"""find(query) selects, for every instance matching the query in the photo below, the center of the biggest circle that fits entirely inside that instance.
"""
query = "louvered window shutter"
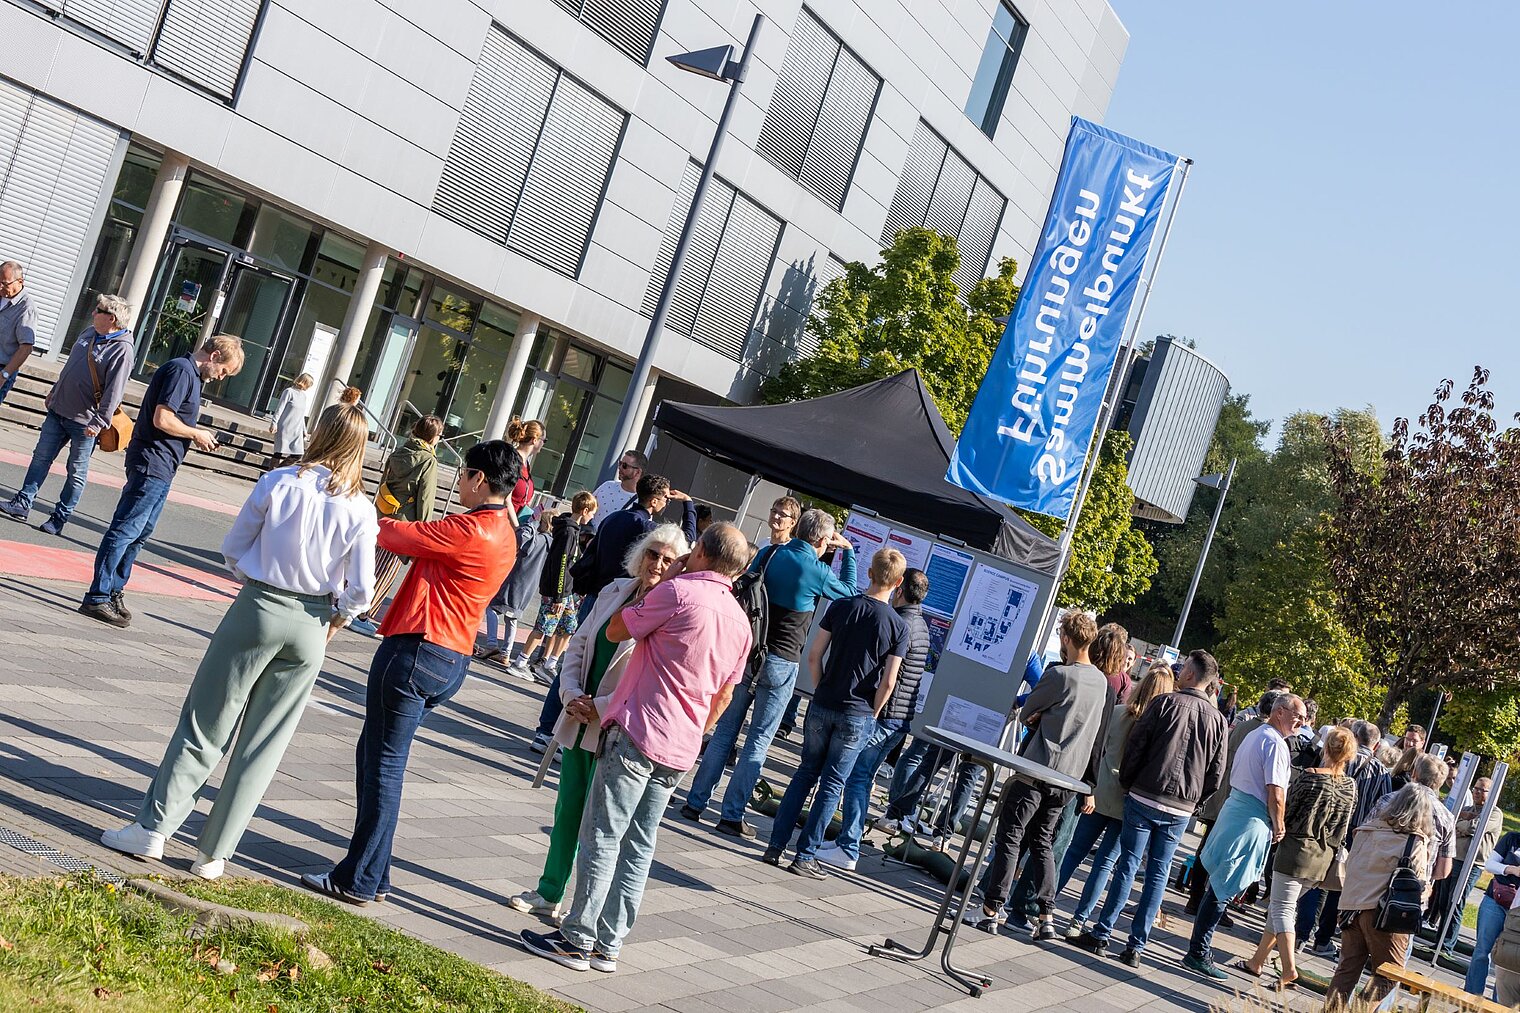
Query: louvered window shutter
(129, 22)
(205, 41)
(841, 125)
(939, 190)
(565, 181)
(700, 253)
(54, 163)
(978, 233)
(738, 278)
(630, 25)
(910, 204)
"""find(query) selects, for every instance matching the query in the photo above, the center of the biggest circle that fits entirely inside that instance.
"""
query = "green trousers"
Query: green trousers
(258, 669)
(576, 767)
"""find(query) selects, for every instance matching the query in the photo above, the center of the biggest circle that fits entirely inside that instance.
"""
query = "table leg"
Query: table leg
(897, 951)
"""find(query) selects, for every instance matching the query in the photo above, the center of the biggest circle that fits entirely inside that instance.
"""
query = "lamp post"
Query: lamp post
(718, 64)
(1222, 483)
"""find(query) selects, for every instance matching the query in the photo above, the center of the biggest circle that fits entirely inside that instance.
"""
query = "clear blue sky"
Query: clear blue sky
(1351, 231)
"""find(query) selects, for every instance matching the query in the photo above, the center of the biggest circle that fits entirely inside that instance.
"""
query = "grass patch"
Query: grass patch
(75, 943)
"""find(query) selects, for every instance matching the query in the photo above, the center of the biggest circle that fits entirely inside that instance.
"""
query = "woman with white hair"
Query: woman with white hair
(589, 672)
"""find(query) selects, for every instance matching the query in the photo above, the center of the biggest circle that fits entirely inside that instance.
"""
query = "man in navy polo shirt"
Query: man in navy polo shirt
(163, 434)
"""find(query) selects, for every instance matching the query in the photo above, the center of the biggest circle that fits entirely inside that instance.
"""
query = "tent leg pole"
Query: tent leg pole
(749, 491)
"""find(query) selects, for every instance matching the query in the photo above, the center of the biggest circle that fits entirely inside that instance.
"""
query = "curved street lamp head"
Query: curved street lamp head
(716, 63)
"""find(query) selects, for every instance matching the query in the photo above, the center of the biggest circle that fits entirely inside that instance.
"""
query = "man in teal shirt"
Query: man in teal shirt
(796, 579)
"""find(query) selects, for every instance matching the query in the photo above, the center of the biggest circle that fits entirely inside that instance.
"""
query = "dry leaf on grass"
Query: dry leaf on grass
(6, 944)
(101, 992)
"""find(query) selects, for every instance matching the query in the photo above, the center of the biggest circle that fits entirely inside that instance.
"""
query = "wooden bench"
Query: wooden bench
(1427, 989)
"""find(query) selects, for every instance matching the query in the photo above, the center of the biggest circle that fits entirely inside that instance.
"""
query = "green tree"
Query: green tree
(1111, 562)
(873, 322)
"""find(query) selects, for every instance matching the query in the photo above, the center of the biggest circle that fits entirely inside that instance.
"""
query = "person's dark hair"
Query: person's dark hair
(1207, 665)
(651, 486)
(1281, 685)
(1268, 702)
(638, 458)
(725, 547)
(498, 461)
(1311, 712)
(1108, 649)
(427, 428)
(915, 586)
(1080, 628)
(704, 512)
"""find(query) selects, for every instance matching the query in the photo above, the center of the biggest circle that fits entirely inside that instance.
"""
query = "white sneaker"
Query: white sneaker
(601, 962)
(530, 902)
(887, 826)
(518, 669)
(207, 868)
(834, 855)
(540, 744)
(545, 671)
(135, 839)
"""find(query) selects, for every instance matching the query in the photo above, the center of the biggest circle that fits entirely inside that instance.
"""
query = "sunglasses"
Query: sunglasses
(656, 556)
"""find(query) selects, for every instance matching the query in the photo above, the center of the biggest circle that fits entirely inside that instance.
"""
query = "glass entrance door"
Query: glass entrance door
(183, 304)
(255, 307)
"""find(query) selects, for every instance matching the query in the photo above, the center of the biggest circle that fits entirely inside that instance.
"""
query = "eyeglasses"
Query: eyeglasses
(628, 464)
(656, 556)
(783, 515)
(103, 313)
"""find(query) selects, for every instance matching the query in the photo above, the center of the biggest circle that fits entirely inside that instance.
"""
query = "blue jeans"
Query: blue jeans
(57, 431)
(916, 770)
(789, 719)
(772, 688)
(623, 809)
(1155, 834)
(407, 678)
(548, 716)
(142, 500)
(882, 739)
(830, 742)
(588, 602)
(6, 385)
(1490, 921)
(1104, 832)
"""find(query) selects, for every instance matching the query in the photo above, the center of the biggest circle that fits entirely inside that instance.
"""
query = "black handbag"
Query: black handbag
(1401, 909)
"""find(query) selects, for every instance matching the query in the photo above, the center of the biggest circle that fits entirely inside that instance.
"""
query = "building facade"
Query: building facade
(468, 207)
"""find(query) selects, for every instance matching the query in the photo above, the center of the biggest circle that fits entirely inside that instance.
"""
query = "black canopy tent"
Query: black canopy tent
(881, 445)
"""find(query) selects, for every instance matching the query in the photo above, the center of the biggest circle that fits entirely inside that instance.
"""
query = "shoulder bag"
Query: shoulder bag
(116, 435)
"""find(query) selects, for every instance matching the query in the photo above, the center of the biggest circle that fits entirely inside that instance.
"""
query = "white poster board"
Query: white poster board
(319, 350)
(867, 534)
(989, 625)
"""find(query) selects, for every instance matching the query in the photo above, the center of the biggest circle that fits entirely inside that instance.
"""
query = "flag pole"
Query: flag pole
(1110, 406)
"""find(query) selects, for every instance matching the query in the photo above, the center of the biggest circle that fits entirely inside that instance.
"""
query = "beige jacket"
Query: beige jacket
(572, 671)
(1375, 853)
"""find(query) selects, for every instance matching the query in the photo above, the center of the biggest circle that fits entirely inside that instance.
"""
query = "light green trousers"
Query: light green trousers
(259, 668)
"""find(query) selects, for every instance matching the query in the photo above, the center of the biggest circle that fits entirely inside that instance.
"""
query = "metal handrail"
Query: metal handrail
(458, 461)
(386, 439)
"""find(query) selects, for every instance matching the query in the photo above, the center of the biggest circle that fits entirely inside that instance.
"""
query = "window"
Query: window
(732, 246)
(938, 190)
(531, 156)
(204, 42)
(994, 74)
(630, 25)
(819, 113)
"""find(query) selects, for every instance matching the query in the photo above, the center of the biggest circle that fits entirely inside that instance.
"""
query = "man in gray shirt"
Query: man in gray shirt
(75, 414)
(18, 320)
(1066, 714)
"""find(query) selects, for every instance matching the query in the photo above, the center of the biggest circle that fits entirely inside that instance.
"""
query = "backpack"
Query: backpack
(1401, 909)
(749, 591)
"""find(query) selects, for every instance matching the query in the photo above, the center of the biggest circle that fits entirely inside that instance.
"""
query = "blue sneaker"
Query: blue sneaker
(15, 510)
(52, 526)
(364, 628)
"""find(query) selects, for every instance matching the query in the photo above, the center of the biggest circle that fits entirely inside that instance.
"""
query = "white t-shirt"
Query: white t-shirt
(1262, 759)
(610, 498)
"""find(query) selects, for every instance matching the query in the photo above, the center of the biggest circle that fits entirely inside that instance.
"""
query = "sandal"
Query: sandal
(1285, 986)
(1242, 966)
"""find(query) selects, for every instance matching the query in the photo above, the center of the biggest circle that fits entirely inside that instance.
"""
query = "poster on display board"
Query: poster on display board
(947, 569)
(915, 548)
(867, 535)
(990, 624)
(939, 632)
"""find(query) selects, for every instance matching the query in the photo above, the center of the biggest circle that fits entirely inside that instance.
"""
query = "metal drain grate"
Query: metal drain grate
(69, 863)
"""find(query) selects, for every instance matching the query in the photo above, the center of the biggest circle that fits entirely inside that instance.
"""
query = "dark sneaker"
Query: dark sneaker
(1130, 957)
(52, 526)
(105, 612)
(321, 882)
(691, 812)
(601, 962)
(554, 946)
(1045, 932)
(772, 856)
(1207, 968)
(1226, 922)
(14, 510)
(1091, 943)
(807, 867)
(735, 828)
(120, 601)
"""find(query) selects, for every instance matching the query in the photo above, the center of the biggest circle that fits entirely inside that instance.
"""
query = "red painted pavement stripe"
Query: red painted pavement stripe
(20, 559)
(116, 482)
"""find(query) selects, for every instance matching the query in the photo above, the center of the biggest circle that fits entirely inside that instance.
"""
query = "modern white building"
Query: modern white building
(466, 207)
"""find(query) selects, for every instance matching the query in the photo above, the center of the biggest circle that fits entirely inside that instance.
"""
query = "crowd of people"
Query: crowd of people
(662, 645)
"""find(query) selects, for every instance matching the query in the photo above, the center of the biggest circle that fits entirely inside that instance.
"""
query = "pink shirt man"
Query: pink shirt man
(692, 640)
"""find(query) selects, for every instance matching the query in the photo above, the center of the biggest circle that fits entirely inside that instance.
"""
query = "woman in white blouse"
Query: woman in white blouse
(289, 425)
(304, 547)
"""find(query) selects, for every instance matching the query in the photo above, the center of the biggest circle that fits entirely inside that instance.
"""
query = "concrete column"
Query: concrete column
(645, 406)
(346, 349)
(157, 217)
(511, 376)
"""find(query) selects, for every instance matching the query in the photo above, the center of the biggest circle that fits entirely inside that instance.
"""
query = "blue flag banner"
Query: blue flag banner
(1030, 427)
